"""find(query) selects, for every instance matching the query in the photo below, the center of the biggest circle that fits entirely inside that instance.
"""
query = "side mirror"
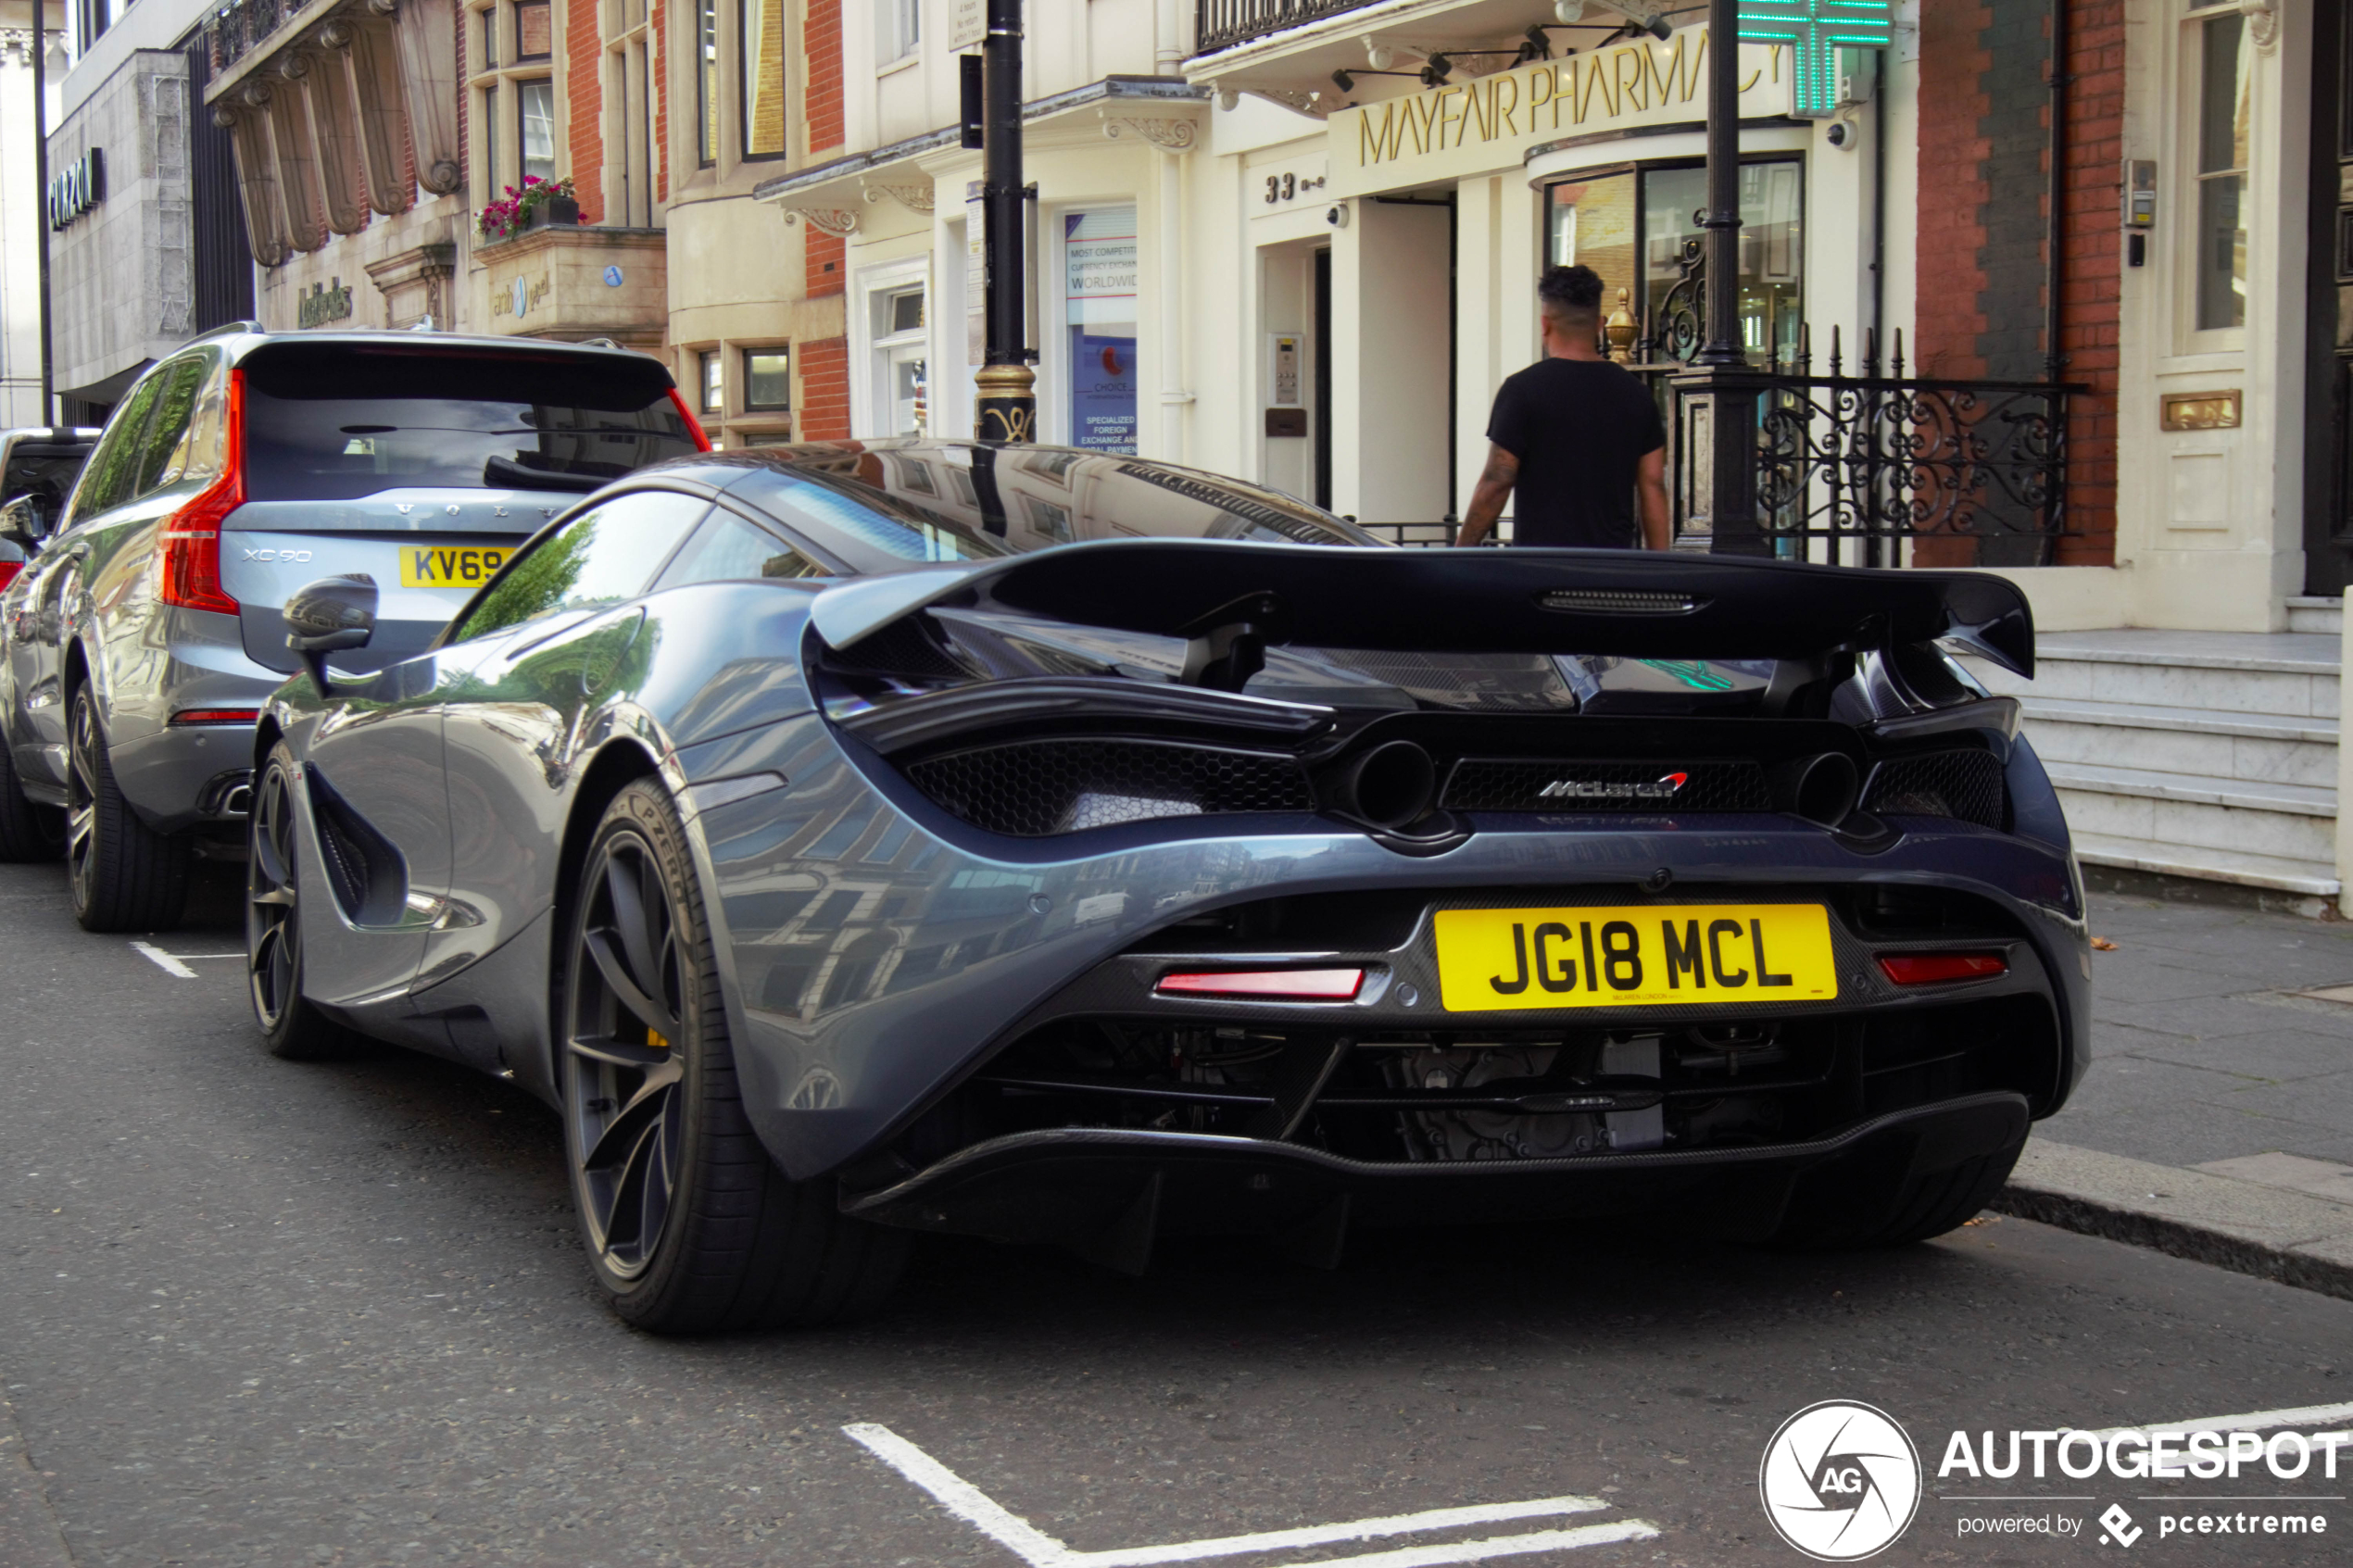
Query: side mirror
(24, 522)
(330, 616)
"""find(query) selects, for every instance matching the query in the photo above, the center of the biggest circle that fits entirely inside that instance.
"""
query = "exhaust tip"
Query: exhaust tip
(1821, 788)
(238, 802)
(1393, 786)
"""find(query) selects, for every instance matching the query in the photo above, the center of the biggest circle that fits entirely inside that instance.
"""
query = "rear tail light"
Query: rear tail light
(1267, 984)
(694, 425)
(8, 570)
(191, 537)
(1925, 969)
(216, 716)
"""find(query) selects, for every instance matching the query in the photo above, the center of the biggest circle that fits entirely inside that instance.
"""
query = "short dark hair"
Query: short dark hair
(1571, 292)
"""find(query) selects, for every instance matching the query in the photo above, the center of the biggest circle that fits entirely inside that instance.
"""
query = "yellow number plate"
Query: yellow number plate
(446, 566)
(1493, 960)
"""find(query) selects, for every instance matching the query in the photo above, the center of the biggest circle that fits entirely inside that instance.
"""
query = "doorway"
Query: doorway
(2328, 385)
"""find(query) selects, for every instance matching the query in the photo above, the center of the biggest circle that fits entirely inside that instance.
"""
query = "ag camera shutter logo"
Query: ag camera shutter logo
(1841, 1481)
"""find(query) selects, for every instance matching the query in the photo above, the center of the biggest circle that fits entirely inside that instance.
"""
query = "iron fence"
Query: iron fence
(236, 28)
(1223, 23)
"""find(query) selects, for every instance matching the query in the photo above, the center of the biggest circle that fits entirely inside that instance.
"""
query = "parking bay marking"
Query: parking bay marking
(1039, 1549)
(175, 964)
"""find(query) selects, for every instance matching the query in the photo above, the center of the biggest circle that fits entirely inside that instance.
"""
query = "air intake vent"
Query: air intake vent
(1621, 601)
(1965, 785)
(1034, 789)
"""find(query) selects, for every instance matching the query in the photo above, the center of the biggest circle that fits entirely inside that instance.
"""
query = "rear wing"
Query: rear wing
(1623, 602)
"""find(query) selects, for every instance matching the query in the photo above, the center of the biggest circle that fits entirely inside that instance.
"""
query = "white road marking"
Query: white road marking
(2254, 1421)
(175, 964)
(1039, 1549)
(163, 960)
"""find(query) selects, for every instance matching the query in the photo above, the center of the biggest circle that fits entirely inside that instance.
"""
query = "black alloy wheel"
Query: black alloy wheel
(125, 875)
(291, 1026)
(27, 832)
(690, 1227)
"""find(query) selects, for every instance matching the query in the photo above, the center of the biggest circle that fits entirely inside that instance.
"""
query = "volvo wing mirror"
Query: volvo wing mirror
(331, 615)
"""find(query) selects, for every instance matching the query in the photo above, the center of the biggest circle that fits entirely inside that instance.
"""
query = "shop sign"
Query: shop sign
(520, 295)
(1099, 286)
(1816, 31)
(326, 302)
(1489, 122)
(78, 187)
(967, 24)
(1282, 186)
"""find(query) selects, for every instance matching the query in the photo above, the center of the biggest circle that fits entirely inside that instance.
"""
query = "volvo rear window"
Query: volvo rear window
(336, 422)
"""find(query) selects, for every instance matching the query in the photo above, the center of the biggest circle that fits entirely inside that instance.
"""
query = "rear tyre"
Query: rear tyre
(291, 1027)
(28, 833)
(689, 1226)
(126, 876)
(1925, 1207)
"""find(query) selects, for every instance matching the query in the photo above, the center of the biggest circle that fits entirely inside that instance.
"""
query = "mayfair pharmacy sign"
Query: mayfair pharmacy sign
(1468, 128)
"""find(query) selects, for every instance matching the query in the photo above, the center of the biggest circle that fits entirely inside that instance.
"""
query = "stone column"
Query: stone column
(426, 31)
(335, 131)
(295, 153)
(373, 60)
(257, 181)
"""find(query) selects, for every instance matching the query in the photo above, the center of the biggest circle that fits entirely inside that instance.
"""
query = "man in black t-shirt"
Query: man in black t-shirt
(1575, 435)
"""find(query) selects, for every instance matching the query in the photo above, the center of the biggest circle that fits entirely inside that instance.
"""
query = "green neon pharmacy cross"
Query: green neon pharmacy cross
(1816, 31)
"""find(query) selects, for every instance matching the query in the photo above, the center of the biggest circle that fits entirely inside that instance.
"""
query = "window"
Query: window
(490, 140)
(177, 385)
(1631, 227)
(629, 98)
(1099, 294)
(706, 82)
(490, 39)
(898, 28)
(767, 379)
(762, 65)
(2223, 112)
(535, 108)
(900, 360)
(112, 474)
(715, 399)
(601, 557)
(728, 549)
(533, 38)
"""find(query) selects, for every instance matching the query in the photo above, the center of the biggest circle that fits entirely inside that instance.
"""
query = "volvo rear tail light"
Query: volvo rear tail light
(694, 425)
(190, 536)
(216, 716)
(1266, 985)
(1927, 969)
(8, 570)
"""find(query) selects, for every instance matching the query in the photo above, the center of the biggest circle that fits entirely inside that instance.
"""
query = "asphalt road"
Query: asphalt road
(261, 1313)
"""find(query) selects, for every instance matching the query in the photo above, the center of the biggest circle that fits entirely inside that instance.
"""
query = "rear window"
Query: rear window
(338, 422)
(39, 468)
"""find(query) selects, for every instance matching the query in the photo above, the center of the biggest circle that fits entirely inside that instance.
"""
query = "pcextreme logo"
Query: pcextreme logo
(1840, 1481)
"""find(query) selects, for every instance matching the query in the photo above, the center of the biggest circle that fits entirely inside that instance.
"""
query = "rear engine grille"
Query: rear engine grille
(1962, 784)
(1034, 789)
(1487, 784)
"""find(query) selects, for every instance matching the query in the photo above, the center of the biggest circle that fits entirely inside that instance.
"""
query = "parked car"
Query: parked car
(1053, 845)
(38, 465)
(146, 632)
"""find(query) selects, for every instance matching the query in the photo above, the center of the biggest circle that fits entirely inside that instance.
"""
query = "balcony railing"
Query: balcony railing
(1223, 23)
(237, 29)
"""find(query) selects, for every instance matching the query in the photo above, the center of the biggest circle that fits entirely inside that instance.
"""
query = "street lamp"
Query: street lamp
(1005, 404)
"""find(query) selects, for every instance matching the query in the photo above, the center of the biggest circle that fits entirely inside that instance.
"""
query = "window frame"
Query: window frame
(703, 49)
(2191, 78)
(522, 95)
(745, 353)
(493, 85)
(899, 32)
(745, 65)
(515, 10)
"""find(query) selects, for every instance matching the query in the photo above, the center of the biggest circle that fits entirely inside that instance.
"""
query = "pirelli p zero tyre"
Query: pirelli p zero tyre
(1922, 1207)
(27, 832)
(291, 1026)
(125, 875)
(689, 1226)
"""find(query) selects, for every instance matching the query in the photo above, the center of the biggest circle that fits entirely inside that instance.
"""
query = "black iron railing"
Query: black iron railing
(1969, 472)
(1223, 23)
(236, 28)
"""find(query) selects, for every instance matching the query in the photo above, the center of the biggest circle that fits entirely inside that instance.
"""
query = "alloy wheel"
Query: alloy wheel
(81, 797)
(625, 1073)
(274, 934)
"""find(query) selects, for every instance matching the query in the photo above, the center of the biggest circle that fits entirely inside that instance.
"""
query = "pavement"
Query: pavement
(2217, 1120)
(331, 1314)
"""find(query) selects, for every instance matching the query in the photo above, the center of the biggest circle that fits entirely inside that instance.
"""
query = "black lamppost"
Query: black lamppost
(1719, 397)
(41, 205)
(1005, 406)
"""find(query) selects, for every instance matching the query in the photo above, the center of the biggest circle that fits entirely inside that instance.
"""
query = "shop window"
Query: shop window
(767, 380)
(533, 36)
(897, 29)
(1632, 226)
(901, 371)
(1099, 294)
(761, 60)
(706, 82)
(714, 397)
(2224, 106)
(535, 108)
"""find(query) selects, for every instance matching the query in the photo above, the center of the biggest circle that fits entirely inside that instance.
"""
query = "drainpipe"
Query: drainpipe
(1168, 49)
(41, 201)
(2054, 280)
(1173, 396)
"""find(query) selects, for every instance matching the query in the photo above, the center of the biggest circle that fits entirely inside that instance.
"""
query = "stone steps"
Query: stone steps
(2325, 616)
(2205, 755)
